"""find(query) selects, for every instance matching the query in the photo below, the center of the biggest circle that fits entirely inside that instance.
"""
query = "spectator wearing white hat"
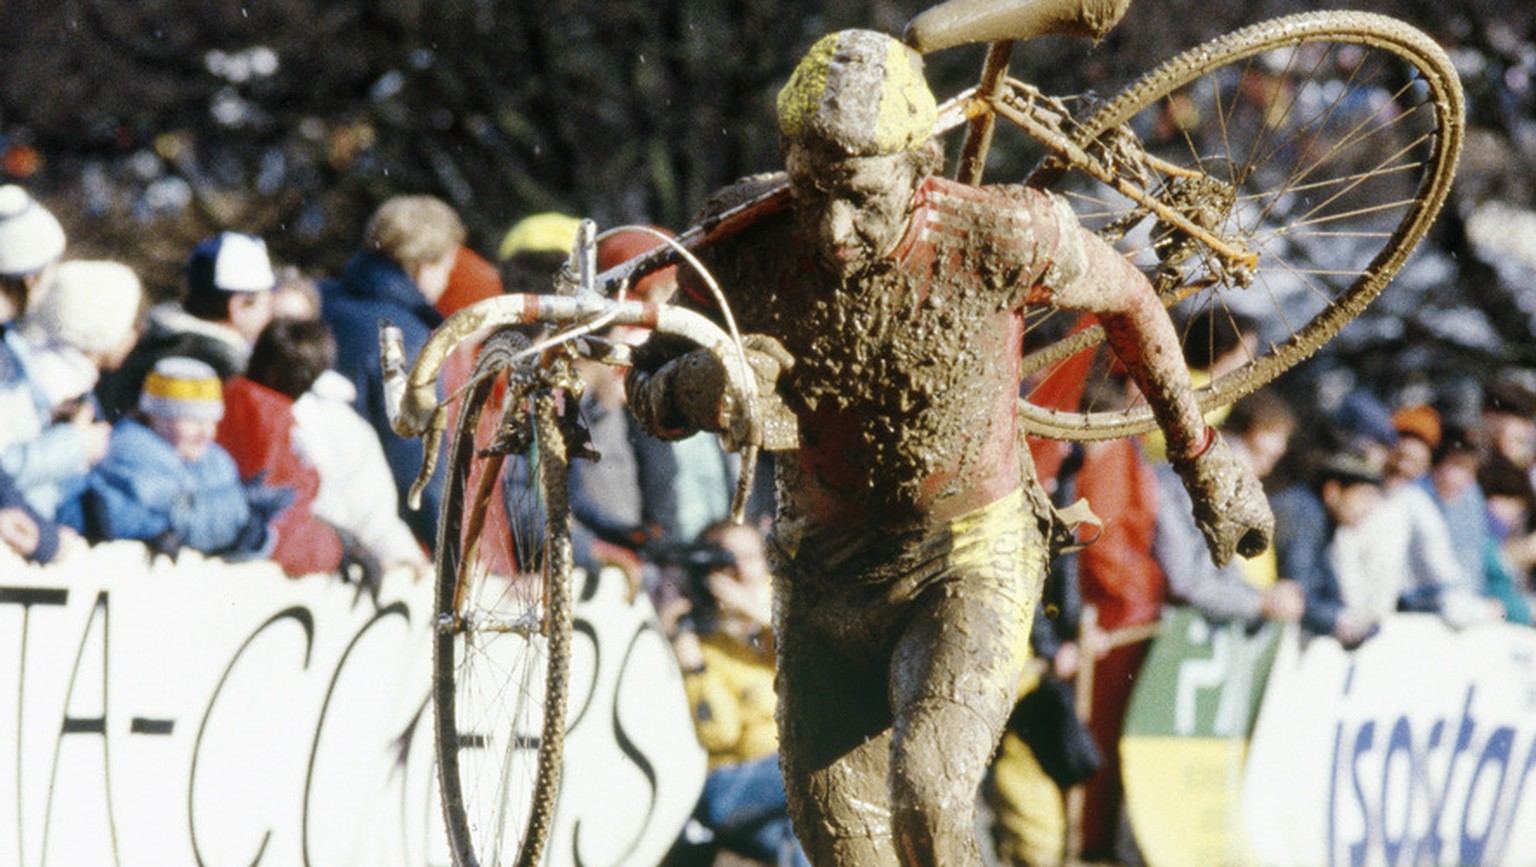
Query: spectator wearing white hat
(227, 303)
(40, 454)
(31, 243)
(86, 324)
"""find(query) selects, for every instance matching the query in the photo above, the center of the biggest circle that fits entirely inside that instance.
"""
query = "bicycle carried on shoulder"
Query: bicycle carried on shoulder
(1284, 171)
(1287, 168)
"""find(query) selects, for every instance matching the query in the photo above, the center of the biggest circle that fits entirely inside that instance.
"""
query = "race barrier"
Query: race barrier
(1186, 738)
(1417, 748)
(201, 712)
(211, 713)
(1254, 747)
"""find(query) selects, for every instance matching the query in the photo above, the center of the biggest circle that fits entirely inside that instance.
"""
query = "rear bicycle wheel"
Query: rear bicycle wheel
(1324, 143)
(503, 615)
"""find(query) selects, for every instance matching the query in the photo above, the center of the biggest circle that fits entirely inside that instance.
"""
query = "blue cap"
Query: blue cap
(1362, 416)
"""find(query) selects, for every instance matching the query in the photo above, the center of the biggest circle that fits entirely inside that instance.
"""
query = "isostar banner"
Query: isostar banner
(1419, 747)
(201, 712)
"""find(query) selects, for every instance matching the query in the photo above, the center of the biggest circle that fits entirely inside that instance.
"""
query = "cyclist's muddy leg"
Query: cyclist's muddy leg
(954, 678)
(834, 748)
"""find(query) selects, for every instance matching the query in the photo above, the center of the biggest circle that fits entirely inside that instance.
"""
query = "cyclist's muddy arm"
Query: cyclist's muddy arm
(1087, 275)
(1229, 503)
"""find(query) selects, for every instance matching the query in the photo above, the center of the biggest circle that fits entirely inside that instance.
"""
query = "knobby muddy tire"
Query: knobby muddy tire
(463, 819)
(1446, 119)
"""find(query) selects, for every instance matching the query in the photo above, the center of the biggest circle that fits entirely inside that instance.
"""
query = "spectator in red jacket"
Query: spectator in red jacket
(472, 279)
(257, 431)
(1118, 575)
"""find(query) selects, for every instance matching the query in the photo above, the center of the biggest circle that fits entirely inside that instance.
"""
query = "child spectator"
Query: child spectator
(1418, 435)
(292, 357)
(1452, 482)
(1510, 497)
(164, 479)
(1509, 421)
(227, 303)
(1509, 425)
(85, 325)
(1405, 541)
(1342, 493)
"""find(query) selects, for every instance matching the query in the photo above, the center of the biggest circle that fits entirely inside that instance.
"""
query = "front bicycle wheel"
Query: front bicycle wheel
(503, 614)
(1322, 143)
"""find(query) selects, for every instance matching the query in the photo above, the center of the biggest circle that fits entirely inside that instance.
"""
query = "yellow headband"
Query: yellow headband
(182, 388)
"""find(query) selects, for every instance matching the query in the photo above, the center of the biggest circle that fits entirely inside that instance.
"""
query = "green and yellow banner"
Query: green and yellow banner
(1186, 737)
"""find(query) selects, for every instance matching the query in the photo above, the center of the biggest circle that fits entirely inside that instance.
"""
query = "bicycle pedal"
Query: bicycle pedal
(508, 443)
(578, 442)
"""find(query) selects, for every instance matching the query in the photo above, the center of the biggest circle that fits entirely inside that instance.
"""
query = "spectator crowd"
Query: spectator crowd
(246, 420)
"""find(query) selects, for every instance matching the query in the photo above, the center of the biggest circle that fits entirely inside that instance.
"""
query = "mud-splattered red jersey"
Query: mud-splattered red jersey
(906, 374)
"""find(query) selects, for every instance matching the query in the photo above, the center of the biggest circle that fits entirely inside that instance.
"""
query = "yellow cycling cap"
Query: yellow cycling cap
(860, 93)
(539, 233)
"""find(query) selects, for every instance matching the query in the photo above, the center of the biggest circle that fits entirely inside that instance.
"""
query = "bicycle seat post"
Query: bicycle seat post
(978, 135)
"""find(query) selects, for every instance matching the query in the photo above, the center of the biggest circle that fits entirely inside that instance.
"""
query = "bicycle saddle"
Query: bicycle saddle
(958, 22)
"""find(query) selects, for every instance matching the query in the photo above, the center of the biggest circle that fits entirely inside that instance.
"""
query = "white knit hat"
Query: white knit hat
(30, 237)
(93, 306)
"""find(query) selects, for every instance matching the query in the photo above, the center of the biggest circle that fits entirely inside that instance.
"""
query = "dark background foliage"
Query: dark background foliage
(149, 124)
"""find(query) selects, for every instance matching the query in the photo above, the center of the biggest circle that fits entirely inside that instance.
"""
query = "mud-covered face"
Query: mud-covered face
(854, 209)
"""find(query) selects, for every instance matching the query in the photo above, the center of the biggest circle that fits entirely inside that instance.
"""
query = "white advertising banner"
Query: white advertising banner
(209, 713)
(1418, 748)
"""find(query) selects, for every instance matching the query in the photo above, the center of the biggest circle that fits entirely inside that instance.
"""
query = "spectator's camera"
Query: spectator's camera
(693, 564)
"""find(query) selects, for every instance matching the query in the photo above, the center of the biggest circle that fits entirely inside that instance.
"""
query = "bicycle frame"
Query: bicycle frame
(1043, 118)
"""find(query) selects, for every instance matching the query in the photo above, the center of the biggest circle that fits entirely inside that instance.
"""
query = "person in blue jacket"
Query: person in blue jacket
(44, 449)
(23, 530)
(408, 250)
(165, 480)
